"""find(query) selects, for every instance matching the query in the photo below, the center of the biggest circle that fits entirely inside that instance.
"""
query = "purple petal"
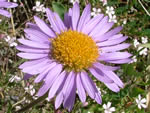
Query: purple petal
(32, 50)
(68, 84)
(36, 38)
(85, 17)
(33, 26)
(108, 34)
(104, 28)
(100, 75)
(80, 88)
(69, 97)
(88, 85)
(60, 22)
(89, 26)
(58, 82)
(53, 21)
(5, 13)
(7, 4)
(104, 67)
(50, 78)
(67, 19)
(113, 87)
(34, 33)
(59, 100)
(98, 98)
(32, 55)
(119, 61)
(33, 44)
(115, 48)
(114, 56)
(31, 63)
(42, 75)
(35, 69)
(27, 76)
(100, 27)
(112, 41)
(114, 77)
(44, 27)
(75, 15)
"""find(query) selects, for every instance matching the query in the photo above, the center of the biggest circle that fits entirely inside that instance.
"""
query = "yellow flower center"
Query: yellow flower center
(75, 50)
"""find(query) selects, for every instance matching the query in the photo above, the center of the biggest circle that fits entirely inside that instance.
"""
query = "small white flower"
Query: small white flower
(143, 51)
(144, 40)
(11, 41)
(141, 102)
(135, 43)
(104, 2)
(73, 1)
(39, 7)
(30, 90)
(95, 11)
(134, 59)
(14, 79)
(133, 9)
(112, 18)
(14, 0)
(124, 22)
(110, 10)
(108, 108)
(18, 107)
(89, 112)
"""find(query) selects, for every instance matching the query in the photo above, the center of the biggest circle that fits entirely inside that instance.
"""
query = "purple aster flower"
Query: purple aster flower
(66, 53)
(5, 4)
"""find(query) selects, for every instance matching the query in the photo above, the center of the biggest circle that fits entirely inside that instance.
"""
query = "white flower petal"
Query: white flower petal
(112, 109)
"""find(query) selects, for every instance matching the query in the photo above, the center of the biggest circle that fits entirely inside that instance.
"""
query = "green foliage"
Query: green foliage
(136, 76)
(59, 8)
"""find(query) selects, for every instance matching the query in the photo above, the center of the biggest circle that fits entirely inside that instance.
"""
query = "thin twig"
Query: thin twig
(18, 103)
(12, 21)
(35, 102)
(144, 8)
(24, 9)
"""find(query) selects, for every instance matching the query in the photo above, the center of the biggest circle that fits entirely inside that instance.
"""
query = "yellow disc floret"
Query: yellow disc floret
(75, 50)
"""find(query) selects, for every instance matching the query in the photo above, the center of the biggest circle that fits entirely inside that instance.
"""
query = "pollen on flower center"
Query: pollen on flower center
(75, 50)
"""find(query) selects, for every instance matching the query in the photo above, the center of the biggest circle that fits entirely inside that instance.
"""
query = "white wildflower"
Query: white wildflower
(39, 7)
(30, 90)
(14, 0)
(112, 18)
(125, 21)
(135, 43)
(95, 11)
(144, 40)
(110, 10)
(134, 59)
(141, 102)
(108, 108)
(142, 51)
(73, 1)
(18, 107)
(104, 2)
(14, 79)
(11, 41)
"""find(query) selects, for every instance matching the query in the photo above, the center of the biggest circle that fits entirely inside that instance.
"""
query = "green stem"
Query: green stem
(37, 101)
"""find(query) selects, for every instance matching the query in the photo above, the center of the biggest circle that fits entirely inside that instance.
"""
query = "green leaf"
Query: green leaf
(59, 8)
(146, 45)
(146, 32)
(135, 91)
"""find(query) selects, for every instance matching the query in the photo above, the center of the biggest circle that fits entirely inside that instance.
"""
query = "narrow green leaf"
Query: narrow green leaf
(59, 8)
(146, 45)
